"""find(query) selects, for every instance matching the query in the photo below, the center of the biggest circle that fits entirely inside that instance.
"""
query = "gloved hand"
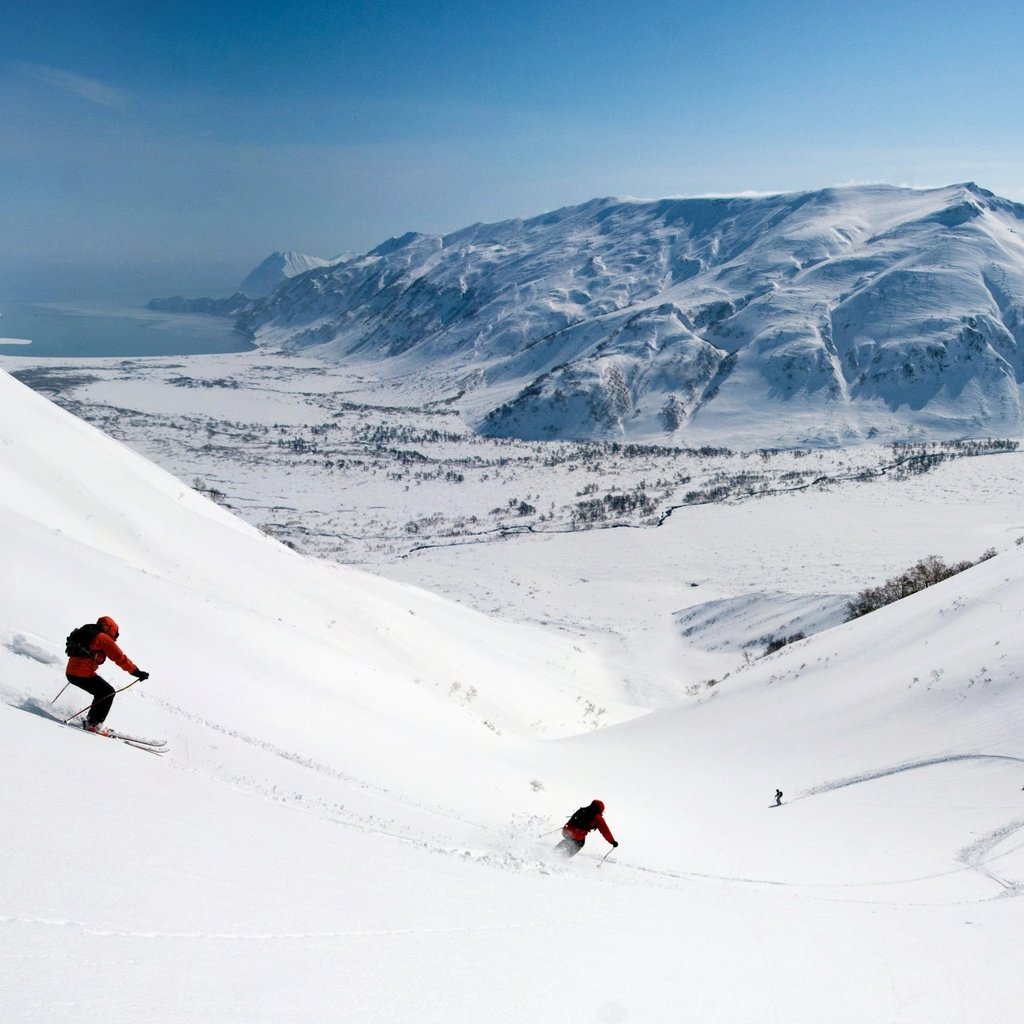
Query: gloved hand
(614, 844)
(140, 675)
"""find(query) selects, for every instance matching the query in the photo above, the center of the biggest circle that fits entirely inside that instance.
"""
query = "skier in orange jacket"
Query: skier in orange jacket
(81, 670)
(583, 821)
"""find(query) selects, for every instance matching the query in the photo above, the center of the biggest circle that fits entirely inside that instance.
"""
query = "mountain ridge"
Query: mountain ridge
(821, 317)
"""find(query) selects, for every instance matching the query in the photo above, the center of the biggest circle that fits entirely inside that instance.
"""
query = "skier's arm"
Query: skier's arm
(603, 828)
(106, 644)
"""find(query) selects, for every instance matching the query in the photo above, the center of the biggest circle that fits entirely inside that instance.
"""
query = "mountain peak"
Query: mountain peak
(277, 267)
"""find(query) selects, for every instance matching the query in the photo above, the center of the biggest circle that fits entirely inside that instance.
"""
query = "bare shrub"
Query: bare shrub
(778, 642)
(926, 573)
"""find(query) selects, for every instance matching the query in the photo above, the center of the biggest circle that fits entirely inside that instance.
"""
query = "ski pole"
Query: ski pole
(605, 857)
(551, 833)
(108, 697)
(62, 689)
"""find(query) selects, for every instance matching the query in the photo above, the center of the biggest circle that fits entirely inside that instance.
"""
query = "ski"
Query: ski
(142, 741)
(149, 749)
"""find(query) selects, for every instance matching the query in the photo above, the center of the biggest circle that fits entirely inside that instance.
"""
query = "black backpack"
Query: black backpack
(583, 818)
(78, 641)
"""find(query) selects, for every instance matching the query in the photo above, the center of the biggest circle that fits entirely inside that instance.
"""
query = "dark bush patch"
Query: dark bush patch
(926, 573)
(778, 642)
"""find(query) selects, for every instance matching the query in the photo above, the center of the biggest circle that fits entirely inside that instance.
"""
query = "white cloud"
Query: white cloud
(76, 85)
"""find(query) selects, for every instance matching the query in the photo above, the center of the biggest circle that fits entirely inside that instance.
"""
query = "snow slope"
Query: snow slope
(821, 317)
(341, 833)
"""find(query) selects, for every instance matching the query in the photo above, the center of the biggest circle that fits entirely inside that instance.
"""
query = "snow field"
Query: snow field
(337, 834)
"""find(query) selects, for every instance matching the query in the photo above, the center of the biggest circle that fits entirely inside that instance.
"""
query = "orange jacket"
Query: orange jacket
(102, 647)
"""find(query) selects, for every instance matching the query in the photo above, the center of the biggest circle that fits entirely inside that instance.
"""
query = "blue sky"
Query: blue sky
(185, 141)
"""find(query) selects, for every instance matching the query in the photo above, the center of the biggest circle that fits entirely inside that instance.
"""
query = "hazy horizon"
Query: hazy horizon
(163, 149)
(117, 281)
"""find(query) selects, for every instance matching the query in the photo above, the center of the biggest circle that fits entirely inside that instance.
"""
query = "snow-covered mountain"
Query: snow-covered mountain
(818, 317)
(260, 281)
(278, 267)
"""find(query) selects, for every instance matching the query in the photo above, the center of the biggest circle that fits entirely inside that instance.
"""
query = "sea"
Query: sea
(93, 329)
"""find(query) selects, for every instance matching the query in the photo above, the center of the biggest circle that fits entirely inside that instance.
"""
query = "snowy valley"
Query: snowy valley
(351, 821)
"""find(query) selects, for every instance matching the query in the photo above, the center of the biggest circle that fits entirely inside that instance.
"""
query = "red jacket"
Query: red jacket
(579, 834)
(102, 647)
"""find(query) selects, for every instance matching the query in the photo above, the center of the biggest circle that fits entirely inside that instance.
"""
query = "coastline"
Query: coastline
(82, 329)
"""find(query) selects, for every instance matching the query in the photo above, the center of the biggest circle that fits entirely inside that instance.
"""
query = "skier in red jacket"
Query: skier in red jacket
(81, 670)
(583, 821)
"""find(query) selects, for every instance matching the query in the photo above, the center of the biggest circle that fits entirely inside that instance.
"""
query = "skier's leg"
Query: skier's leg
(101, 692)
(101, 705)
(568, 848)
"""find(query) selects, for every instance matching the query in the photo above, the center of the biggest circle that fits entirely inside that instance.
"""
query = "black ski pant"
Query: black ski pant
(102, 693)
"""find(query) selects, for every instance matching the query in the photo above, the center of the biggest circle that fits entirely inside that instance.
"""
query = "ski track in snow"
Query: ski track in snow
(111, 933)
(319, 807)
(855, 780)
(316, 806)
(976, 855)
(26, 648)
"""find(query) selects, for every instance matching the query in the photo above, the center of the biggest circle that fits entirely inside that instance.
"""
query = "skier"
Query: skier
(778, 797)
(81, 670)
(575, 830)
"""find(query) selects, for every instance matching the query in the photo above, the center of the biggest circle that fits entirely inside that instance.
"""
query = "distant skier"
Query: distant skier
(89, 647)
(778, 797)
(575, 830)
